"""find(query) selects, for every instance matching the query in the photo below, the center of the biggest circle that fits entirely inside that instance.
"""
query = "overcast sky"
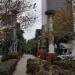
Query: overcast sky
(30, 32)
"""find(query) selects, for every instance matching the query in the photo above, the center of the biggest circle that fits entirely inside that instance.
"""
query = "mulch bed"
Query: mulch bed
(66, 68)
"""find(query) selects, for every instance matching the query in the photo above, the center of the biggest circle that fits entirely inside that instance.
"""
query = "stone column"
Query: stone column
(50, 15)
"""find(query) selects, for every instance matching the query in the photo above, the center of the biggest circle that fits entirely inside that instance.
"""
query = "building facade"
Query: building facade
(44, 8)
(8, 18)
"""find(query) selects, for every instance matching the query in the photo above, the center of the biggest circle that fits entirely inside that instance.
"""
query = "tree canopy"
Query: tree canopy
(21, 42)
(31, 46)
(19, 7)
(63, 22)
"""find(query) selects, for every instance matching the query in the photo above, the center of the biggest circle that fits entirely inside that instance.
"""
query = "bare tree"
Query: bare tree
(29, 16)
(63, 22)
(18, 7)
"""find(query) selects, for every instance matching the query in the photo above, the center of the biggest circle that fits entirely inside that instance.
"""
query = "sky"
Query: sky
(29, 33)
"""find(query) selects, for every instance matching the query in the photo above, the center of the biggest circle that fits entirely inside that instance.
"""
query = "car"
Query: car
(65, 57)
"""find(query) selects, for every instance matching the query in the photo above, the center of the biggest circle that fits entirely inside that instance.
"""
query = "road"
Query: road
(21, 65)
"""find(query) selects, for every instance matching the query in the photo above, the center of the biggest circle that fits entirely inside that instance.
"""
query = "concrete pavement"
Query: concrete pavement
(21, 65)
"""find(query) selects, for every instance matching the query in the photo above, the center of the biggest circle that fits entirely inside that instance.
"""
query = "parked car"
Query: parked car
(65, 57)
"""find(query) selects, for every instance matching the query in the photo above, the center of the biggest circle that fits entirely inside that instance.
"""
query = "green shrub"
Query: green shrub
(42, 72)
(63, 64)
(32, 66)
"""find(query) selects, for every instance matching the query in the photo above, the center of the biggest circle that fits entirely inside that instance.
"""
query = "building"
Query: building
(44, 8)
(8, 17)
(38, 39)
(38, 35)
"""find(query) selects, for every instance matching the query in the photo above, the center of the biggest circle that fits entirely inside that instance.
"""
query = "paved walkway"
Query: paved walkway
(21, 65)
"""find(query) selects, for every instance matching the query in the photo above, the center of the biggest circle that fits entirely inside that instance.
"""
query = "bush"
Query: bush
(63, 64)
(42, 72)
(32, 66)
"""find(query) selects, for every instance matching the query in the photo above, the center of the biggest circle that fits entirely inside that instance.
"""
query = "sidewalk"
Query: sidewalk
(21, 65)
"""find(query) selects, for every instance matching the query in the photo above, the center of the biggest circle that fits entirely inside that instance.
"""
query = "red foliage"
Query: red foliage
(51, 57)
(46, 56)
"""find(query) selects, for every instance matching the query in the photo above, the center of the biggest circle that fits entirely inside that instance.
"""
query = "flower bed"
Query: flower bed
(35, 65)
(44, 67)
